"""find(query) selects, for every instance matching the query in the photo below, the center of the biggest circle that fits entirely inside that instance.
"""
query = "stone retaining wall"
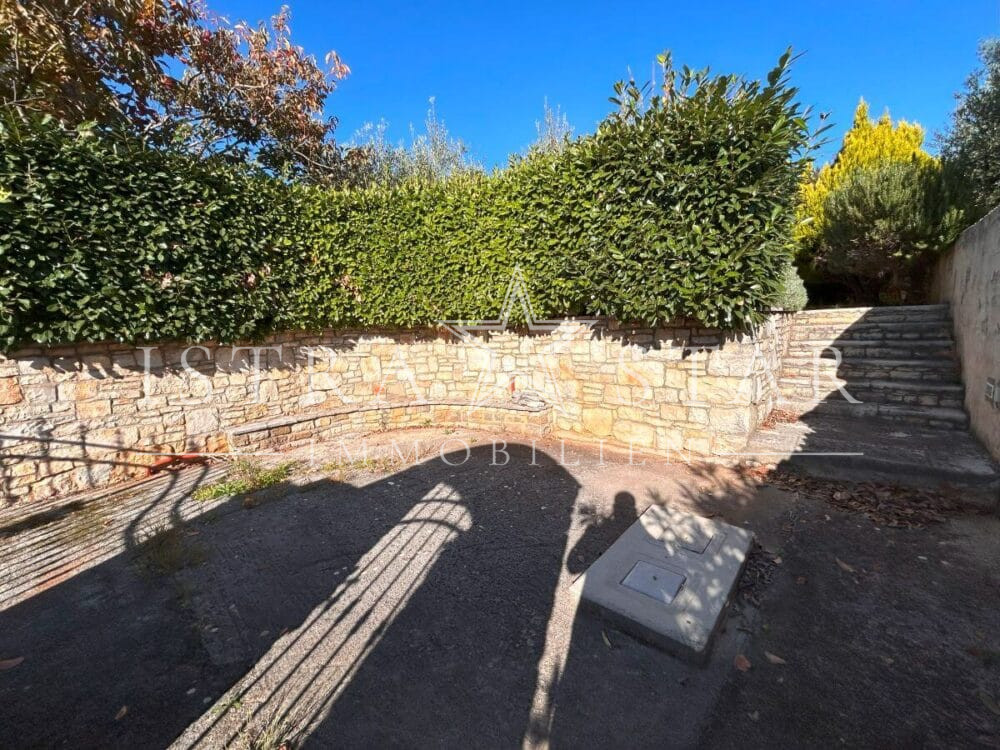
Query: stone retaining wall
(84, 416)
(968, 277)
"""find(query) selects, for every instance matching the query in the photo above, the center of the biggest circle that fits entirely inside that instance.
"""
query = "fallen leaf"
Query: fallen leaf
(10, 663)
(844, 566)
(988, 701)
(800, 580)
(741, 663)
(607, 641)
(774, 658)
(121, 713)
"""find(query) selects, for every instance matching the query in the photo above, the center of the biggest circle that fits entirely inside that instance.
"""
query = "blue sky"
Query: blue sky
(490, 65)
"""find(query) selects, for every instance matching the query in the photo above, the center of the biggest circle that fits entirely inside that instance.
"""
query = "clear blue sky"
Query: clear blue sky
(490, 65)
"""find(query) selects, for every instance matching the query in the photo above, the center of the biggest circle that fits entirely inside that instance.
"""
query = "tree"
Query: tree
(867, 144)
(971, 145)
(431, 156)
(554, 130)
(882, 226)
(173, 74)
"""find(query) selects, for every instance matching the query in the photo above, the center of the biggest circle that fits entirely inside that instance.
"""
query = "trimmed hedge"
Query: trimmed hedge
(101, 238)
(681, 206)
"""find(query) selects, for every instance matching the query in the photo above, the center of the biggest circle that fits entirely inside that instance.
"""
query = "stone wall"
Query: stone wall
(969, 278)
(84, 416)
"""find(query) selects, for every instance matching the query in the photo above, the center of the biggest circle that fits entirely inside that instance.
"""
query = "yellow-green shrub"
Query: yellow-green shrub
(869, 143)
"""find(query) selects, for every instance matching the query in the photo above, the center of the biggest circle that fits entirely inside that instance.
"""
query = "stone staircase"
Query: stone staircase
(903, 420)
(898, 363)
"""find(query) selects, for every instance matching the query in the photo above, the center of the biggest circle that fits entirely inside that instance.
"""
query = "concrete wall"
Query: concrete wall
(969, 278)
(85, 416)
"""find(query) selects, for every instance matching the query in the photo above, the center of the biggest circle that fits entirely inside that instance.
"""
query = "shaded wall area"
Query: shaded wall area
(968, 277)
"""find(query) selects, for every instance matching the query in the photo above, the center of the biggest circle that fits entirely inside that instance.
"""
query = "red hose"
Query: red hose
(167, 461)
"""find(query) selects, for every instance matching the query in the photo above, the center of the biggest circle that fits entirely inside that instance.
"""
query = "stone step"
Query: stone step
(938, 417)
(874, 349)
(866, 390)
(803, 330)
(928, 370)
(879, 449)
(852, 315)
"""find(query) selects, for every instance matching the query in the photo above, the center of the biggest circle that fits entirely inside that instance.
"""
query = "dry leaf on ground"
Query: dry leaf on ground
(844, 566)
(741, 663)
(10, 663)
(774, 658)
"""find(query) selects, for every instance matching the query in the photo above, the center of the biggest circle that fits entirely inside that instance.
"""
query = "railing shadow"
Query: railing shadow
(328, 602)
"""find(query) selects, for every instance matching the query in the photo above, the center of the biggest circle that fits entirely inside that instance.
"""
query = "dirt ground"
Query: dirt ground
(401, 603)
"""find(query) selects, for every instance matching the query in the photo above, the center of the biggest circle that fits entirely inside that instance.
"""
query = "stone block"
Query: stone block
(597, 421)
(95, 409)
(10, 392)
(201, 421)
(668, 579)
(635, 433)
(737, 419)
(645, 372)
(698, 444)
(673, 412)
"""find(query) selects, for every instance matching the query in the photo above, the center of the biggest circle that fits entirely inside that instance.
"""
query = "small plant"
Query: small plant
(244, 476)
(341, 469)
(791, 295)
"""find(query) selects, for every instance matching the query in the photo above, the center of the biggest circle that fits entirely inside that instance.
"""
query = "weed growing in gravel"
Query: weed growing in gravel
(245, 476)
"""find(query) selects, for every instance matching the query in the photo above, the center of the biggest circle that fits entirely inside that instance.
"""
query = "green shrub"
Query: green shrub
(791, 295)
(679, 206)
(884, 225)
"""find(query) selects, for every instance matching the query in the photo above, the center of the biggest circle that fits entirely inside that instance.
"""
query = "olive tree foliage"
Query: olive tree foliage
(553, 130)
(971, 145)
(176, 76)
(430, 156)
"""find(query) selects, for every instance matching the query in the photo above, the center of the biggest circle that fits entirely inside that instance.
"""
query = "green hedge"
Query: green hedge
(101, 238)
(678, 206)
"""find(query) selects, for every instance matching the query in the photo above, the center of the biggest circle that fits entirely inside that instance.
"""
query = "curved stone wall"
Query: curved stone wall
(85, 416)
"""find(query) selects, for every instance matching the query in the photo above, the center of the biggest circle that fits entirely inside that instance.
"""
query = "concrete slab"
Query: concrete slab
(668, 579)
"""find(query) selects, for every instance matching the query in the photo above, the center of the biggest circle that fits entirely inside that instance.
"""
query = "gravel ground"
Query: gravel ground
(388, 603)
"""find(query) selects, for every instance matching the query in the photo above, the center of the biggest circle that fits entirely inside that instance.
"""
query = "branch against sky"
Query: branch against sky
(176, 75)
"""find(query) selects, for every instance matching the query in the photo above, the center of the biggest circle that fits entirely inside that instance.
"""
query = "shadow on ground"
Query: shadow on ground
(129, 652)
(427, 608)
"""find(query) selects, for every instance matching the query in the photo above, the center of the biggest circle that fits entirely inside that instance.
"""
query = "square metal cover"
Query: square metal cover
(655, 582)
